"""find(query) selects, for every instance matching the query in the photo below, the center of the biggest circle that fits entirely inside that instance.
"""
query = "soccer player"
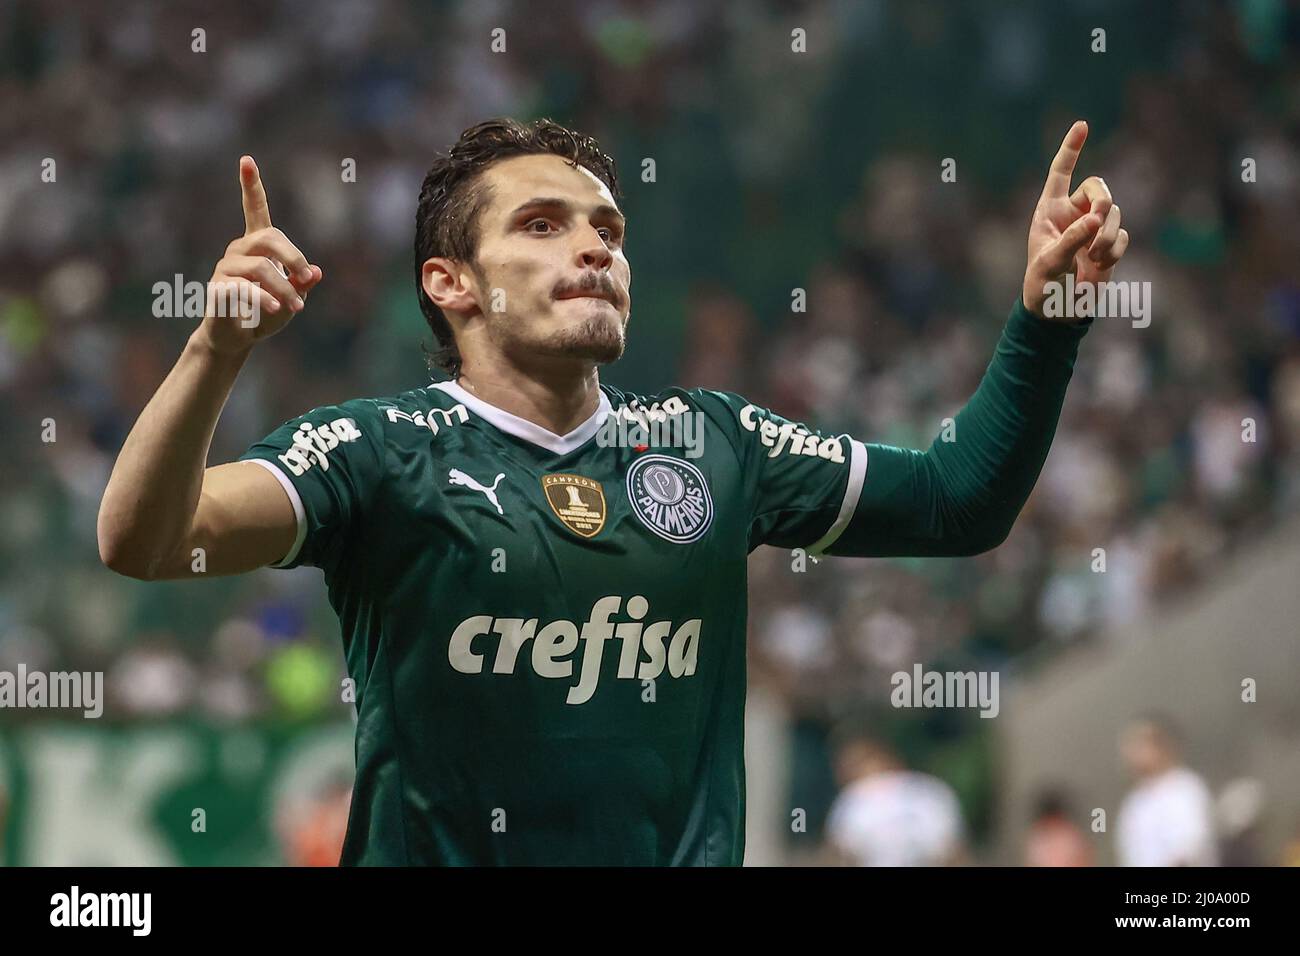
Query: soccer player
(546, 626)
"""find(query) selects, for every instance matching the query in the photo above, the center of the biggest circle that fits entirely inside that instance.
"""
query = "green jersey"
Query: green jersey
(547, 633)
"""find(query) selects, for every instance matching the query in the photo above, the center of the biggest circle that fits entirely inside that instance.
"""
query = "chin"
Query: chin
(598, 339)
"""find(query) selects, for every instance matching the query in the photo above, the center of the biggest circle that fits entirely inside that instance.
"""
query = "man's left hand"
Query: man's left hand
(1075, 232)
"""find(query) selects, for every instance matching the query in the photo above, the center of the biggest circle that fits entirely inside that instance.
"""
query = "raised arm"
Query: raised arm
(161, 501)
(961, 497)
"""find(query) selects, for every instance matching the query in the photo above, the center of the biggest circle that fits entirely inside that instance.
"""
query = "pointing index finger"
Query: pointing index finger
(257, 215)
(1062, 169)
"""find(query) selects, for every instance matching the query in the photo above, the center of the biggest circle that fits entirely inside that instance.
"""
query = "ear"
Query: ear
(449, 285)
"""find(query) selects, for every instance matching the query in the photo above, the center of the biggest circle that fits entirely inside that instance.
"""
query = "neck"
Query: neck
(874, 768)
(557, 399)
(1160, 769)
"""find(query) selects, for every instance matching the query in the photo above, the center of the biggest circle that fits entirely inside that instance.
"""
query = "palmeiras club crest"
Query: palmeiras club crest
(670, 497)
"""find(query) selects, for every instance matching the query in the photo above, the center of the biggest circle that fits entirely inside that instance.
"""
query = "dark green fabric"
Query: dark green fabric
(961, 497)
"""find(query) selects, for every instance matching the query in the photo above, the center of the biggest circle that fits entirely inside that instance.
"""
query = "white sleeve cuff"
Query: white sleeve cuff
(299, 512)
(852, 492)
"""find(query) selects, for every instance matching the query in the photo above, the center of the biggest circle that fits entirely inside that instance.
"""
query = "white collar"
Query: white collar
(522, 428)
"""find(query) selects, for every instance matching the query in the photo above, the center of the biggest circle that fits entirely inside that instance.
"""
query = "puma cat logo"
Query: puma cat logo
(458, 477)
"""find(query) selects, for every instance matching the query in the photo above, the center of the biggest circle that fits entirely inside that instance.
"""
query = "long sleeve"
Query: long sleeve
(962, 497)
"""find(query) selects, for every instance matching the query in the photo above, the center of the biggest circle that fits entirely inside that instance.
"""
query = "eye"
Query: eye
(609, 235)
(544, 223)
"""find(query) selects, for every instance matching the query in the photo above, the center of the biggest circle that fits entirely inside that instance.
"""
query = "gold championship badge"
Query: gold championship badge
(577, 501)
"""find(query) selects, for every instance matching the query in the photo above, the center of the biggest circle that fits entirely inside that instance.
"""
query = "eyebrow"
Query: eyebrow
(556, 203)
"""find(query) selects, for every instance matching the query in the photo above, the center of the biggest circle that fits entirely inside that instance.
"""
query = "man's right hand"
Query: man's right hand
(253, 273)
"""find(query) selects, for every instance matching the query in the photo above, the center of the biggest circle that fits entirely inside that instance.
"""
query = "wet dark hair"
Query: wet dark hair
(453, 196)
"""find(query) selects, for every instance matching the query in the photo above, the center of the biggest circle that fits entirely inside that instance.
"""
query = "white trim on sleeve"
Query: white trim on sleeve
(852, 492)
(299, 512)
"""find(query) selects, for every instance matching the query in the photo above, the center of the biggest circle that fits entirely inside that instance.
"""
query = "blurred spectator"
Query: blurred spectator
(314, 829)
(1291, 850)
(1055, 838)
(887, 815)
(1168, 817)
(152, 679)
(1239, 811)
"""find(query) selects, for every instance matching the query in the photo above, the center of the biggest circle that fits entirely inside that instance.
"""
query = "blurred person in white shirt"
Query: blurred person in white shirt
(1167, 819)
(888, 815)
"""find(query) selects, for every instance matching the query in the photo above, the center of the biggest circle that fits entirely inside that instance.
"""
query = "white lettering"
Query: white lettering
(645, 652)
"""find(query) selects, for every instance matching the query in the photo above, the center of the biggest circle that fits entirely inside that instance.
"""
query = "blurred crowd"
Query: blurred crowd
(774, 170)
(888, 814)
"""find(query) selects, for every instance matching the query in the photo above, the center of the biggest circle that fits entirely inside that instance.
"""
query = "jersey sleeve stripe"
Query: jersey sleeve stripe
(299, 513)
(852, 492)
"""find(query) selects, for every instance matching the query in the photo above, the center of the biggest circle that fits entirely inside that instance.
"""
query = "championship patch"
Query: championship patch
(577, 501)
(670, 497)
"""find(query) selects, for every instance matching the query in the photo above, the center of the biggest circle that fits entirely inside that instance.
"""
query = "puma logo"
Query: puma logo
(458, 477)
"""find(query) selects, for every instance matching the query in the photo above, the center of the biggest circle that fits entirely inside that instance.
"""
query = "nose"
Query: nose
(592, 251)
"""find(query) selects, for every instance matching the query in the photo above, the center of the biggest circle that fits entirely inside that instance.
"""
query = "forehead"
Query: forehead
(516, 180)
